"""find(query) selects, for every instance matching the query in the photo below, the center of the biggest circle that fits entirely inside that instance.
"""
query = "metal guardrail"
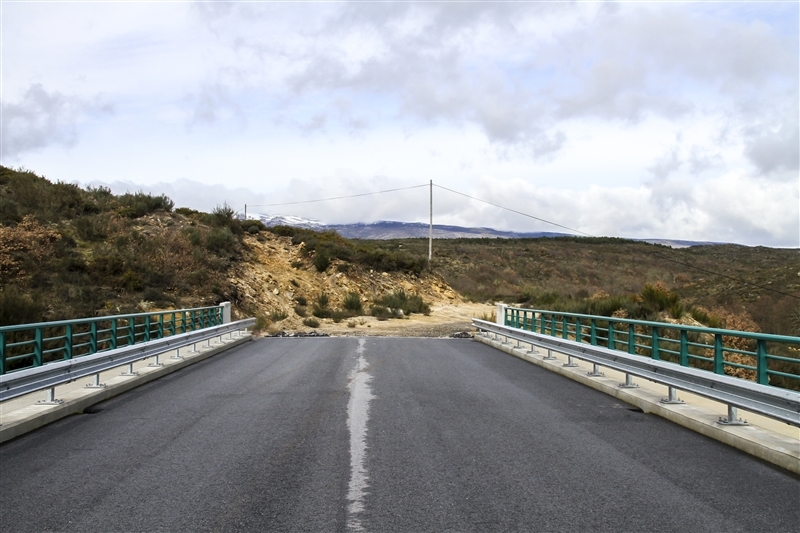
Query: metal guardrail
(48, 376)
(780, 404)
(760, 357)
(33, 345)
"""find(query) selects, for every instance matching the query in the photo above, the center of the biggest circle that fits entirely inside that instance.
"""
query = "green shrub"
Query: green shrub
(323, 300)
(140, 203)
(301, 310)
(301, 300)
(338, 316)
(19, 308)
(221, 241)
(322, 261)
(380, 312)
(352, 303)
(311, 322)
(278, 315)
(409, 304)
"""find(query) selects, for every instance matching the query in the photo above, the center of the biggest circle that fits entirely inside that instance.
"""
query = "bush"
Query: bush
(380, 312)
(221, 241)
(407, 303)
(140, 204)
(301, 300)
(322, 261)
(311, 322)
(301, 310)
(352, 303)
(278, 315)
(338, 316)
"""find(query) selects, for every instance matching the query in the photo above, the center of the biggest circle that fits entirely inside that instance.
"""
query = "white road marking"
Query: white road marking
(357, 418)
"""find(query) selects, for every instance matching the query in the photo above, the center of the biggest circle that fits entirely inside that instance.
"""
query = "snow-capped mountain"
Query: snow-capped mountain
(387, 229)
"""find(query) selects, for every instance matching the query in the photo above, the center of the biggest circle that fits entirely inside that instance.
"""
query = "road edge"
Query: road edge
(37, 416)
(779, 450)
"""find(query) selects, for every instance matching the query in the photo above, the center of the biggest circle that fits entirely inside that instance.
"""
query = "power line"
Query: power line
(340, 197)
(653, 253)
(514, 211)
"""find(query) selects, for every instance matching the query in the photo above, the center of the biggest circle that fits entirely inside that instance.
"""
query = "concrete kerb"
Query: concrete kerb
(34, 416)
(773, 447)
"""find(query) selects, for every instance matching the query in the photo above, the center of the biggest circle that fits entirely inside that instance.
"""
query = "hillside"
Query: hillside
(68, 252)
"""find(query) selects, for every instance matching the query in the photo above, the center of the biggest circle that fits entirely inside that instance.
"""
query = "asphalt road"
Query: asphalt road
(380, 434)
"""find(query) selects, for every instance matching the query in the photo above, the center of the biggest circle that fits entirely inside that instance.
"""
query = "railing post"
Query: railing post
(146, 328)
(684, 348)
(611, 342)
(564, 328)
(172, 323)
(719, 359)
(762, 365)
(594, 331)
(68, 341)
(631, 339)
(93, 337)
(500, 314)
(37, 348)
(183, 321)
(113, 333)
(654, 352)
(578, 332)
(161, 326)
(2, 353)
(552, 325)
(131, 331)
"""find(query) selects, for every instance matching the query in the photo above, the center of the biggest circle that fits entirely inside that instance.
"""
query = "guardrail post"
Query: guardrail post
(95, 384)
(500, 314)
(762, 365)
(672, 397)
(51, 398)
(550, 356)
(156, 363)
(629, 384)
(129, 371)
(570, 363)
(654, 351)
(733, 418)
(595, 371)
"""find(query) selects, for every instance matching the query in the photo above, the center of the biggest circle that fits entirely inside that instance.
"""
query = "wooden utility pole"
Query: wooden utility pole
(430, 231)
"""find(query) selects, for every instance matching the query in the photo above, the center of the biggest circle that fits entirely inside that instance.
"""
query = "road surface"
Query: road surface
(380, 434)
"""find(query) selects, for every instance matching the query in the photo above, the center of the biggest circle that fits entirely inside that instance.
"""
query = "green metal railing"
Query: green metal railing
(31, 345)
(766, 359)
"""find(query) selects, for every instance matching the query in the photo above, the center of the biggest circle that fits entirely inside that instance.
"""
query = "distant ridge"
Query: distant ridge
(387, 229)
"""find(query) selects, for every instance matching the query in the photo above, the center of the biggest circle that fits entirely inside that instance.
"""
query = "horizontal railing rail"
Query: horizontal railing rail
(773, 402)
(29, 380)
(760, 357)
(33, 345)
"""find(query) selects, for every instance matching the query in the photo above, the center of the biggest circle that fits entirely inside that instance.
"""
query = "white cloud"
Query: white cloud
(40, 119)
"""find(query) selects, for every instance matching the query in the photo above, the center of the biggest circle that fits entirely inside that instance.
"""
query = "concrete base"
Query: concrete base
(778, 445)
(16, 422)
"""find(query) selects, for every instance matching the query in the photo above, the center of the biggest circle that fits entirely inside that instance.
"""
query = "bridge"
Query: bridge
(369, 434)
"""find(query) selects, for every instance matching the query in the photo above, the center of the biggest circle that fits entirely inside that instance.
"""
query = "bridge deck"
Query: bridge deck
(459, 437)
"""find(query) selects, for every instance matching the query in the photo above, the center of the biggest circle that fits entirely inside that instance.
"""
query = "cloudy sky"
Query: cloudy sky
(631, 119)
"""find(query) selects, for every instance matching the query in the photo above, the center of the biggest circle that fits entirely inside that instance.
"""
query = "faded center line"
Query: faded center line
(357, 418)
